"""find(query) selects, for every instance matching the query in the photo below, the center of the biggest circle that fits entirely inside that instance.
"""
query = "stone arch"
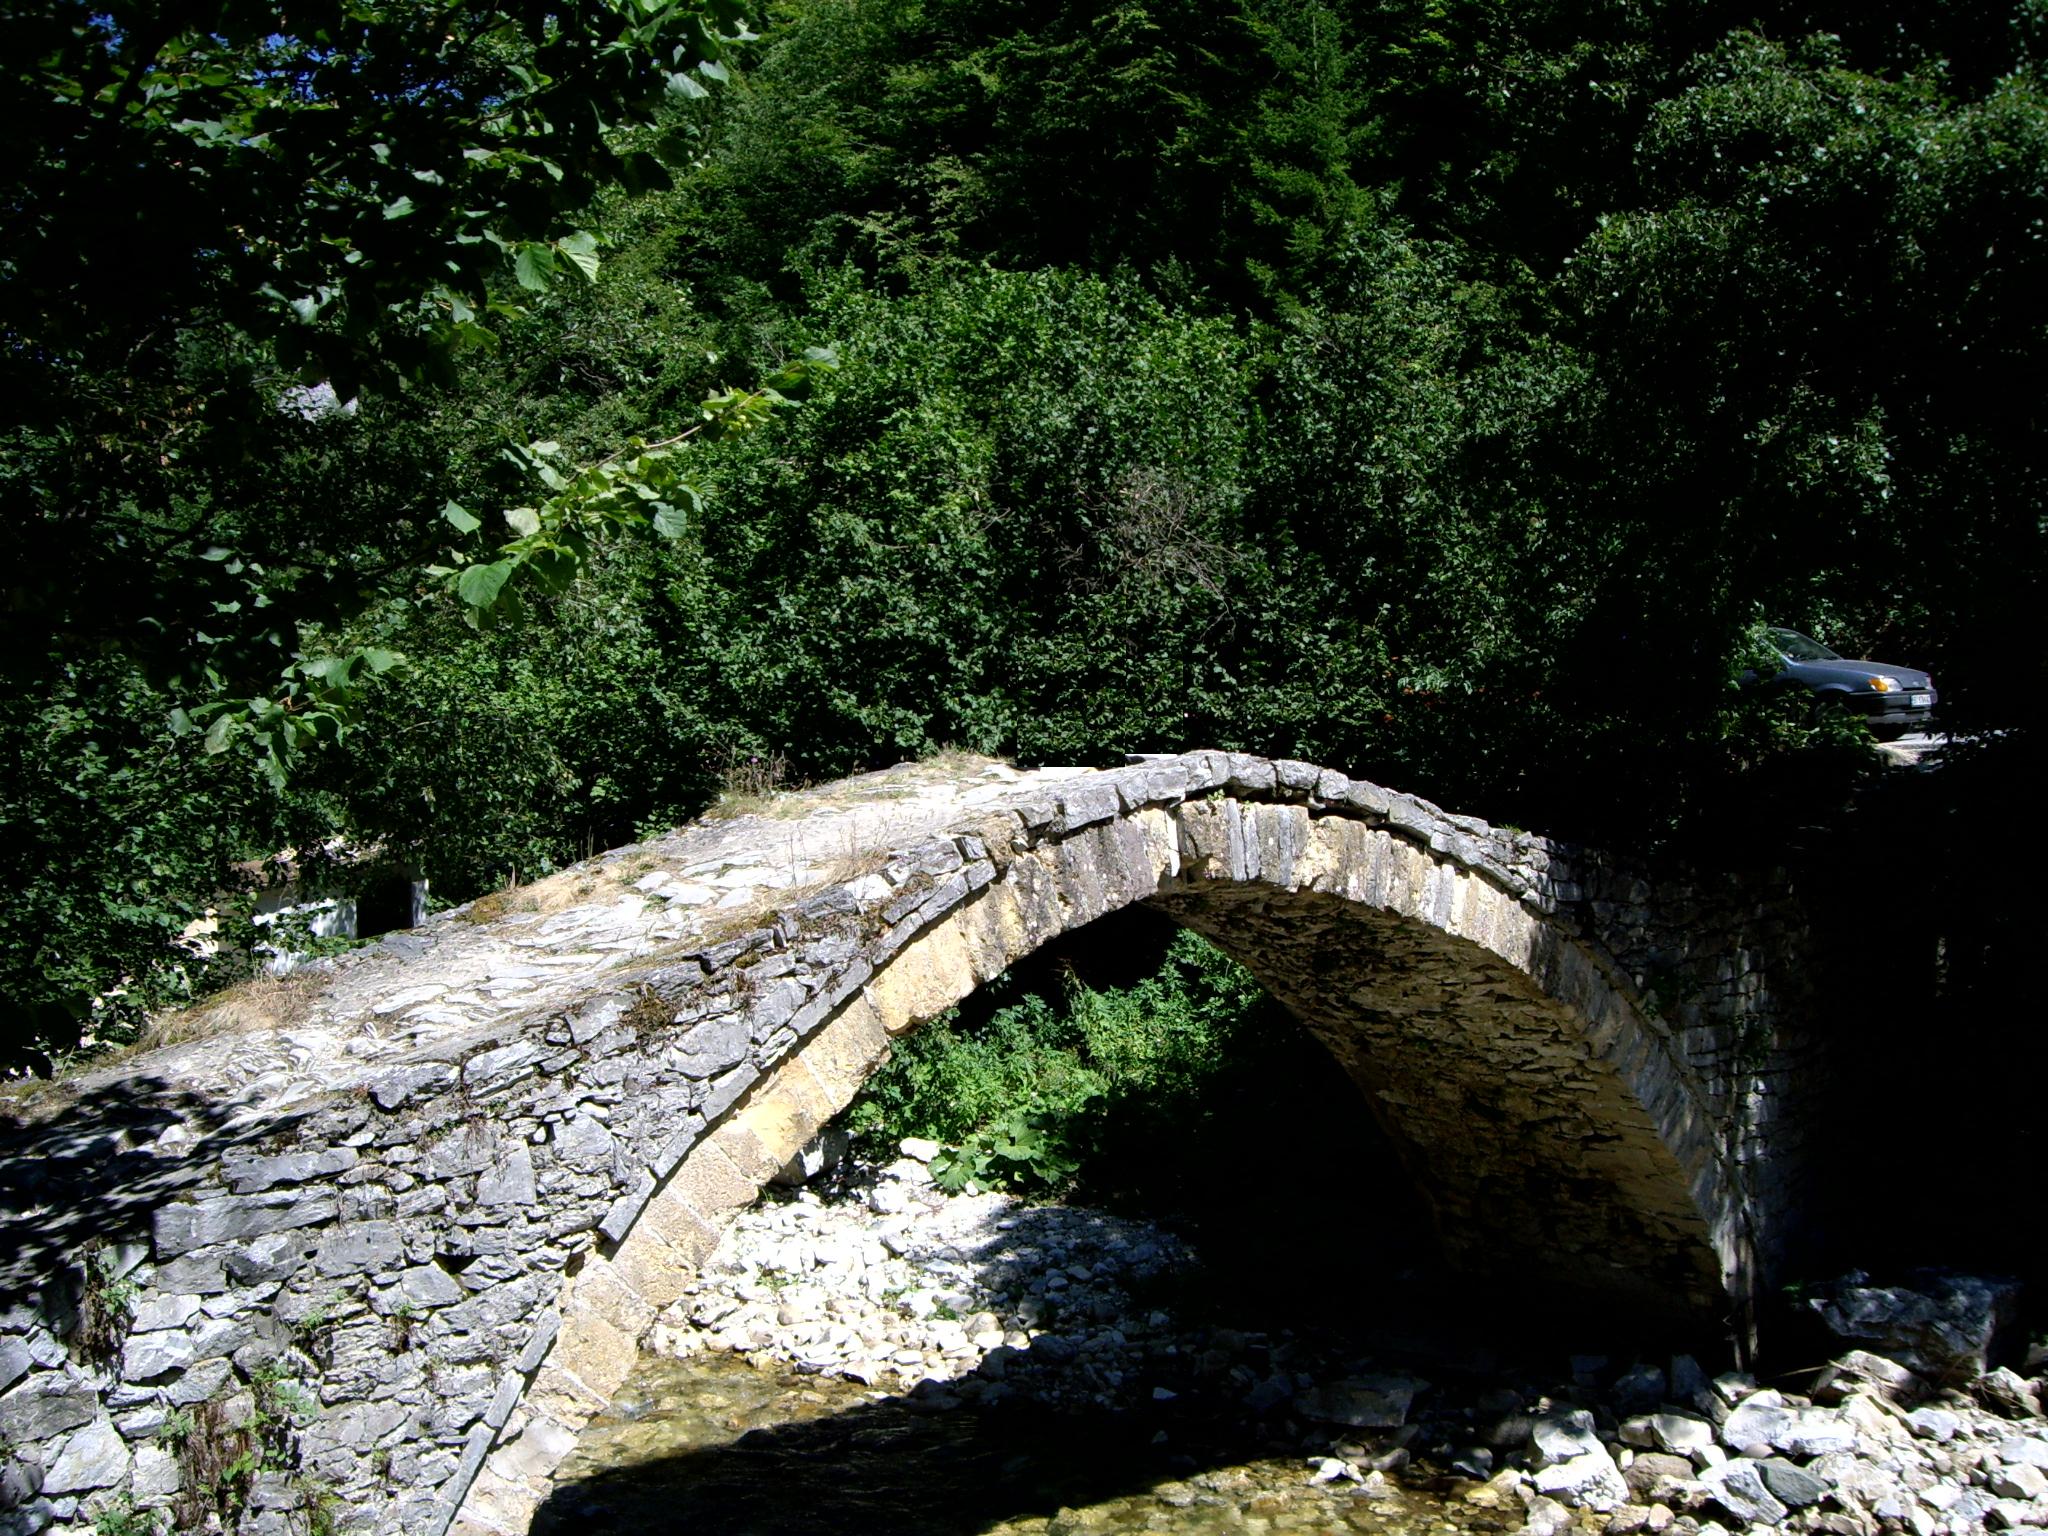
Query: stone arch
(1547, 1111)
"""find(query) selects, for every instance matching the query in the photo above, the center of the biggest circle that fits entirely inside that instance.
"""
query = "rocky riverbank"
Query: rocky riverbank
(975, 1300)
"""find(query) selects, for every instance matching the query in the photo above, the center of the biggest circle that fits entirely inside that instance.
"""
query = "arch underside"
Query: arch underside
(1534, 1159)
(1551, 1126)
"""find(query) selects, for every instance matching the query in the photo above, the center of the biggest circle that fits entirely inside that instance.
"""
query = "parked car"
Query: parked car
(1893, 700)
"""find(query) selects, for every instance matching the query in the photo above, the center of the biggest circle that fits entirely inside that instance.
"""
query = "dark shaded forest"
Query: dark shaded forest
(1447, 390)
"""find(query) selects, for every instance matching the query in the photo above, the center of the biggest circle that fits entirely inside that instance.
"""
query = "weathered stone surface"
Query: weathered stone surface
(2005, 1391)
(509, 1181)
(713, 1046)
(491, 1115)
(1861, 1368)
(428, 1285)
(1591, 1481)
(2019, 1482)
(14, 1362)
(1791, 1483)
(584, 1143)
(2024, 1450)
(1648, 1474)
(358, 1247)
(95, 1457)
(1942, 1327)
(1936, 1424)
(181, 1228)
(1564, 1436)
(1680, 1434)
(43, 1406)
(249, 1175)
(172, 1311)
(1739, 1488)
(1364, 1402)
(1765, 1419)
(146, 1356)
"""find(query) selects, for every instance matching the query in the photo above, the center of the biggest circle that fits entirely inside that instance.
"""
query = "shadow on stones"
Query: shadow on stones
(98, 1169)
(1318, 1265)
(917, 1463)
(893, 1466)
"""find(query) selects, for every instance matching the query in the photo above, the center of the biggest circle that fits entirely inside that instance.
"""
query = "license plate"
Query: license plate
(1919, 700)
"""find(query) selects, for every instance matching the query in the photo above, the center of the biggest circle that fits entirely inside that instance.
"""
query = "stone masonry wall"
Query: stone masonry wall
(398, 1243)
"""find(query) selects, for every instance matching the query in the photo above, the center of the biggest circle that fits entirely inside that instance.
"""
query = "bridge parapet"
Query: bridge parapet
(451, 1196)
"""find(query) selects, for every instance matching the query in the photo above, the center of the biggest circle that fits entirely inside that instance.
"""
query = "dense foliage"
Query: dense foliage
(1065, 1084)
(1440, 390)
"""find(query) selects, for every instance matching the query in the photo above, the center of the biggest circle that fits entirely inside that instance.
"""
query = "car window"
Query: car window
(1799, 648)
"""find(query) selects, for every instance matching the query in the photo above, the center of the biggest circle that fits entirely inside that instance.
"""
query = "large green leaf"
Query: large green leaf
(480, 585)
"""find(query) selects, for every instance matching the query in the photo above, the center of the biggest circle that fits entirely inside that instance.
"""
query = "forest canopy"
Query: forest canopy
(1446, 391)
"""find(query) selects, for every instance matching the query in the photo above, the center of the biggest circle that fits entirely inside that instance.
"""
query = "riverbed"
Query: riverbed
(716, 1443)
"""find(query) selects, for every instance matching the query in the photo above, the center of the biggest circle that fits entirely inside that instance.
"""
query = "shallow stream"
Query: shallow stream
(717, 1444)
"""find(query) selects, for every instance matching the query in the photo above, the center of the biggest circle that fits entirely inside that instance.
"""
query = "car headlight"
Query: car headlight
(1884, 684)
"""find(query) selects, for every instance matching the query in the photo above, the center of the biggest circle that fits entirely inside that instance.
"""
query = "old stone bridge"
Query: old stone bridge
(445, 1184)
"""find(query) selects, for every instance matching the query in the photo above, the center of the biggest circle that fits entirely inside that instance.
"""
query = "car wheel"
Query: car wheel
(1829, 708)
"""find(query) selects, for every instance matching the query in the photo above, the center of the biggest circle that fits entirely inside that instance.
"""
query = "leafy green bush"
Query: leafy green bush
(1057, 1090)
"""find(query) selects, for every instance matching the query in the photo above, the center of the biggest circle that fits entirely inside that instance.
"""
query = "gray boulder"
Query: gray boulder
(1766, 1419)
(1739, 1488)
(2007, 1392)
(1654, 1473)
(1791, 1483)
(1564, 1434)
(2028, 1450)
(1591, 1481)
(1363, 1402)
(1942, 1326)
(1859, 1369)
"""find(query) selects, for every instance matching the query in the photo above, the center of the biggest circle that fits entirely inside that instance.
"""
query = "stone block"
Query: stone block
(712, 1183)
(624, 1211)
(193, 1275)
(844, 1054)
(595, 1350)
(748, 1149)
(655, 1272)
(1591, 1480)
(181, 1228)
(95, 1457)
(429, 1285)
(44, 1406)
(600, 1288)
(562, 1395)
(505, 1064)
(509, 1179)
(533, 1456)
(1739, 1488)
(496, 1504)
(670, 1217)
(146, 1356)
(399, 1086)
(779, 1125)
(361, 1246)
(250, 1175)
(160, 1311)
(15, 1361)
(929, 975)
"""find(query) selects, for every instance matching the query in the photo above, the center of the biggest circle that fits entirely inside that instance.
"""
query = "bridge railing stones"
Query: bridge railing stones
(455, 1243)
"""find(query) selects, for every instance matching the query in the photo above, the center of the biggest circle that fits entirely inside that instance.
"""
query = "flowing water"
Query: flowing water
(717, 1446)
